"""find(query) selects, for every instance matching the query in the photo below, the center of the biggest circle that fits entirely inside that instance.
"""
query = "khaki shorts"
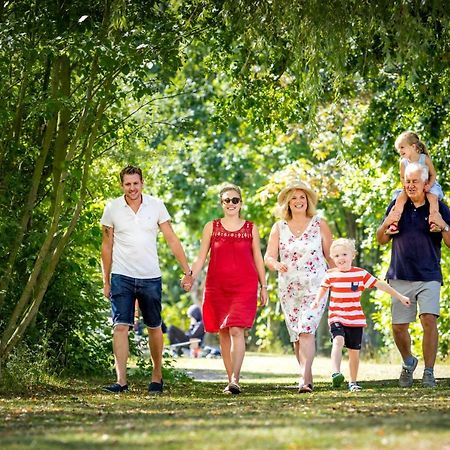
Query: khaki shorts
(425, 294)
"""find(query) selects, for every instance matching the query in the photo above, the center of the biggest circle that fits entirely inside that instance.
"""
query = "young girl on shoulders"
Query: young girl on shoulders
(412, 149)
(346, 318)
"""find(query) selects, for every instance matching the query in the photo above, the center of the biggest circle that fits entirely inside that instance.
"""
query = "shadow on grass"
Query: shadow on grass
(80, 416)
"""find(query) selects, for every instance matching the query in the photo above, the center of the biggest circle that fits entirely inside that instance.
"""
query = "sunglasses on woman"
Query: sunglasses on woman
(234, 200)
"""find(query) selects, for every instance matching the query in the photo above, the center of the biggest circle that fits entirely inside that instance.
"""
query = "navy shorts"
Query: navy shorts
(352, 335)
(124, 293)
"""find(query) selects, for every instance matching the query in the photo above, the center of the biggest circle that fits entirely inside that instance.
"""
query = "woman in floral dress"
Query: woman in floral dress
(298, 249)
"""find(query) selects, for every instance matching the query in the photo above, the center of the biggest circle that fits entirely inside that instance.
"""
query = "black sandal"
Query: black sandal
(234, 388)
(305, 389)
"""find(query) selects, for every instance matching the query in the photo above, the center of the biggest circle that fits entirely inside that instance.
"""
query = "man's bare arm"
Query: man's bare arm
(175, 245)
(107, 247)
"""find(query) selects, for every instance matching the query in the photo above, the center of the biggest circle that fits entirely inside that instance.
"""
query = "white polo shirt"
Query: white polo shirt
(134, 247)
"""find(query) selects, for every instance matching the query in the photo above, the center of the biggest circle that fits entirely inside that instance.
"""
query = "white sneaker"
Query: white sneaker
(353, 386)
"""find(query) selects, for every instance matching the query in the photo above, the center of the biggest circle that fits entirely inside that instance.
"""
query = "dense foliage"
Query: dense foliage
(198, 93)
(72, 75)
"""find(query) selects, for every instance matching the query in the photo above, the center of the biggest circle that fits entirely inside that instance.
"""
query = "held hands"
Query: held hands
(280, 267)
(405, 300)
(317, 303)
(187, 281)
(263, 296)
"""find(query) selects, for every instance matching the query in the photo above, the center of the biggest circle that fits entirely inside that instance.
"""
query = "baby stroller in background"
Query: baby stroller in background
(189, 341)
(210, 352)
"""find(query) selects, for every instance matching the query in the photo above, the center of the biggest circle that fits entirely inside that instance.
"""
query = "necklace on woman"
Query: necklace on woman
(298, 229)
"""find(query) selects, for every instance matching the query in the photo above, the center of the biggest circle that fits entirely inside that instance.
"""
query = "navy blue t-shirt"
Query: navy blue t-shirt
(416, 252)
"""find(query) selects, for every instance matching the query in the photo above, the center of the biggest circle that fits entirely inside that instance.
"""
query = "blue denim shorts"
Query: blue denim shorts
(124, 293)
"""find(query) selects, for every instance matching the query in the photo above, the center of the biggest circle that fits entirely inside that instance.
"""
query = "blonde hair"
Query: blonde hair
(411, 138)
(284, 211)
(344, 242)
(230, 187)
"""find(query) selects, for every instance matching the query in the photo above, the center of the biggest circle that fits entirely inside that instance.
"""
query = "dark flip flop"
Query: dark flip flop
(305, 389)
(234, 388)
(156, 388)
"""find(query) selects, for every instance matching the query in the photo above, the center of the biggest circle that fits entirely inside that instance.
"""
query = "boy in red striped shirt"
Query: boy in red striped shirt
(346, 318)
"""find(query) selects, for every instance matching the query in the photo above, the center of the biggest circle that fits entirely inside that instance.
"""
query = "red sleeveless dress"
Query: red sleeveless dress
(232, 280)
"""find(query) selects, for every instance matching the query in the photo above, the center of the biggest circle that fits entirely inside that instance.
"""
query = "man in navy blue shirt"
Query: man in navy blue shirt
(415, 271)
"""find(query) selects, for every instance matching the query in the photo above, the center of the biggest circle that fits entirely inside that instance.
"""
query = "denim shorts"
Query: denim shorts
(124, 293)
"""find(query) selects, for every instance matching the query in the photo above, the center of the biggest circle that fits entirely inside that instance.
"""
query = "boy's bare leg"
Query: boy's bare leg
(336, 354)
(353, 362)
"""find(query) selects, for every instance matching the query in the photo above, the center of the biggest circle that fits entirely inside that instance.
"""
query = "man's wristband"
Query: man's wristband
(263, 286)
(189, 274)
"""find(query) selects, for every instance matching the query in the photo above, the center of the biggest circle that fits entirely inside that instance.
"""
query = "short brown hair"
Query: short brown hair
(130, 170)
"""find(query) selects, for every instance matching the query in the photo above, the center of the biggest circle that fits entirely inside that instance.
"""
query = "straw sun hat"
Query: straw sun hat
(293, 186)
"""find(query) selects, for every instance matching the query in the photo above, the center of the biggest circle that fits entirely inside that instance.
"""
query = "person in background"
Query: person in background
(196, 328)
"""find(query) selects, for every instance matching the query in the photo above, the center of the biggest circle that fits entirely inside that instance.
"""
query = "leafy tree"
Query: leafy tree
(359, 72)
(66, 71)
(199, 92)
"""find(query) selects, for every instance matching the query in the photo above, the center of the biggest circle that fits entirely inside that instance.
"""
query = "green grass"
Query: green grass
(268, 414)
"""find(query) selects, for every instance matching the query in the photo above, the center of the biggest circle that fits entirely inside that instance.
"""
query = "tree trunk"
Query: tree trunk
(31, 199)
(53, 246)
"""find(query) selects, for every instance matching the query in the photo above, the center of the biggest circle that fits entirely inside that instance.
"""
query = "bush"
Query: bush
(27, 367)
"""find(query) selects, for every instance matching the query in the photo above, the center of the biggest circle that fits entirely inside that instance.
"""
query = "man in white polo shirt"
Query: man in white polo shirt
(131, 270)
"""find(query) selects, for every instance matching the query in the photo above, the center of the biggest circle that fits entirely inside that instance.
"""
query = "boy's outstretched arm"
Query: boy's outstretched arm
(392, 292)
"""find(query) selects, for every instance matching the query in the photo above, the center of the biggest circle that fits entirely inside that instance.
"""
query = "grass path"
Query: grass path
(284, 367)
(268, 415)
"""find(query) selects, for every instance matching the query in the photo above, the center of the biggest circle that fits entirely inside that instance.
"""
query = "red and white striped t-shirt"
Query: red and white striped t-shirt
(345, 295)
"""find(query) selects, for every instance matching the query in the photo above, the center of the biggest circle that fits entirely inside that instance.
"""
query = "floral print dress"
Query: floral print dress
(303, 255)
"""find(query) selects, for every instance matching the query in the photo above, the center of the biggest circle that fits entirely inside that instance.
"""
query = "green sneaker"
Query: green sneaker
(337, 379)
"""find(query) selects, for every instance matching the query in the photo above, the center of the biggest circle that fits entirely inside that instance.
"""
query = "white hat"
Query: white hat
(297, 185)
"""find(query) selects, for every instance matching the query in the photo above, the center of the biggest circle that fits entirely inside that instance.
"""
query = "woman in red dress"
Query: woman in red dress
(231, 289)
